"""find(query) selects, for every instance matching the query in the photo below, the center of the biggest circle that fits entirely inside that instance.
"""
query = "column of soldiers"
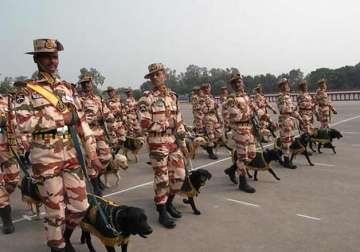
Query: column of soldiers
(56, 117)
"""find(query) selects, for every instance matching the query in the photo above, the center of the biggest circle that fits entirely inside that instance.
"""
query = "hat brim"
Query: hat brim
(147, 76)
(43, 51)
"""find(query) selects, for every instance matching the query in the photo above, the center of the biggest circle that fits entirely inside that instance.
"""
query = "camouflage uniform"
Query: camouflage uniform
(197, 102)
(160, 117)
(52, 153)
(261, 105)
(306, 110)
(224, 111)
(130, 108)
(240, 111)
(324, 106)
(211, 120)
(9, 170)
(117, 128)
(96, 110)
(286, 120)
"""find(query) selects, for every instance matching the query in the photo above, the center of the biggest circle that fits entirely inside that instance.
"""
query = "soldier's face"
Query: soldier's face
(238, 85)
(323, 86)
(47, 62)
(111, 93)
(158, 78)
(87, 87)
(129, 94)
(224, 92)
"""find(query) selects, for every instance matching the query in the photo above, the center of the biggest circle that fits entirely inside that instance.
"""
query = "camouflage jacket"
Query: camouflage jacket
(35, 114)
(210, 105)
(240, 108)
(305, 101)
(159, 113)
(286, 106)
(130, 106)
(115, 107)
(321, 98)
(95, 110)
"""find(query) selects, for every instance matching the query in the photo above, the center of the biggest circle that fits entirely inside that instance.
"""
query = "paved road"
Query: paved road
(310, 209)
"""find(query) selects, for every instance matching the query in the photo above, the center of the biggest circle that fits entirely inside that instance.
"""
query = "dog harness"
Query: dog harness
(95, 223)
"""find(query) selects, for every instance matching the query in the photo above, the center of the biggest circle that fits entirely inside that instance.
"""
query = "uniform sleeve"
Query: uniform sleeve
(26, 119)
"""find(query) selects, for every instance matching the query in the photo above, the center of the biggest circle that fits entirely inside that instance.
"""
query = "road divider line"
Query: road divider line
(308, 217)
(243, 202)
(322, 164)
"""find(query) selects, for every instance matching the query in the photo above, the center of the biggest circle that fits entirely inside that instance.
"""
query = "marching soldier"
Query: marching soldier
(46, 108)
(97, 115)
(224, 112)
(286, 121)
(131, 116)
(161, 119)
(117, 128)
(324, 105)
(240, 112)
(306, 107)
(211, 120)
(261, 109)
(197, 102)
(9, 170)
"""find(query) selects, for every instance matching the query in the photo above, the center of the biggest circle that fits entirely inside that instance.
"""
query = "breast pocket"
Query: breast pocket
(39, 103)
(159, 111)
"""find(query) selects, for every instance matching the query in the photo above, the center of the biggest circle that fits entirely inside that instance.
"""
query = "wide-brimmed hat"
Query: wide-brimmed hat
(258, 87)
(110, 88)
(224, 88)
(235, 77)
(128, 90)
(46, 46)
(321, 81)
(196, 88)
(282, 82)
(85, 78)
(153, 68)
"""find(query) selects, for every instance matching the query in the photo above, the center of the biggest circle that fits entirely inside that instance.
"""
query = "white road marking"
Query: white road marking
(27, 217)
(322, 164)
(345, 120)
(351, 132)
(202, 166)
(308, 217)
(243, 202)
(355, 145)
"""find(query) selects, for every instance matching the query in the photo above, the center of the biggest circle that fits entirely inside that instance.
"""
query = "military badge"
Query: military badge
(61, 106)
(35, 96)
(49, 44)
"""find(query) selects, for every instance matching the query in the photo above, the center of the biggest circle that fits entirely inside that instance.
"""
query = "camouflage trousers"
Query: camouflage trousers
(213, 129)
(286, 125)
(103, 151)
(9, 174)
(61, 187)
(198, 121)
(168, 165)
(307, 121)
(324, 117)
(245, 145)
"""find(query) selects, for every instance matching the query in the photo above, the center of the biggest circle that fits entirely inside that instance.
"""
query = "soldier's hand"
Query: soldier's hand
(274, 111)
(68, 118)
(334, 111)
(97, 165)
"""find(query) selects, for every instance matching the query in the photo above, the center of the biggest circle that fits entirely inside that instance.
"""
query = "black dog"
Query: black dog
(261, 161)
(197, 180)
(298, 146)
(113, 226)
(324, 138)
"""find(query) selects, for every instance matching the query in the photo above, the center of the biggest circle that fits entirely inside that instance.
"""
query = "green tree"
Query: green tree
(98, 78)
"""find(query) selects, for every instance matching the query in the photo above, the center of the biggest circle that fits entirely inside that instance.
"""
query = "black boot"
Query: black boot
(164, 218)
(210, 151)
(231, 173)
(8, 226)
(58, 250)
(244, 186)
(67, 234)
(171, 209)
(96, 189)
(288, 163)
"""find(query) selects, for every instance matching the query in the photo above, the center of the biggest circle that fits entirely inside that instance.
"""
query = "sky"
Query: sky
(121, 38)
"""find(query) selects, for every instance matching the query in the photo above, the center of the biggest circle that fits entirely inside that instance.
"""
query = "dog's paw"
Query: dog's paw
(255, 179)
(311, 164)
(197, 212)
